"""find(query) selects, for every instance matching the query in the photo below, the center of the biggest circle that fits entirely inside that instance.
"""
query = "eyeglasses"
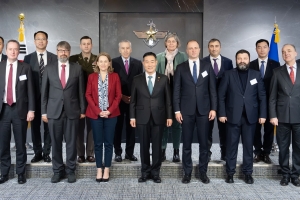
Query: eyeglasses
(40, 39)
(62, 51)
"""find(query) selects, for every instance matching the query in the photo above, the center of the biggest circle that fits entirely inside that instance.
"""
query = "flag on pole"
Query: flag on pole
(22, 39)
(273, 53)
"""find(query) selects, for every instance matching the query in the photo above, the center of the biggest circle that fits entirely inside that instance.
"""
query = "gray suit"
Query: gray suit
(63, 107)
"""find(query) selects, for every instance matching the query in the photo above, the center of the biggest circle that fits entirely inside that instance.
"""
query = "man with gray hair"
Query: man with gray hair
(127, 68)
(63, 104)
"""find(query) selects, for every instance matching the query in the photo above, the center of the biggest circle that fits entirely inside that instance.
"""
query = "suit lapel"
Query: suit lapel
(297, 82)
(237, 80)
(56, 74)
(188, 71)
(19, 70)
(222, 65)
(145, 85)
(122, 66)
(248, 80)
(71, 74)
(286, 76)
(131, 66)
(156, 83)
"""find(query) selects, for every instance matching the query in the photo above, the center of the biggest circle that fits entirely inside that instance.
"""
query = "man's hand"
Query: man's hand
(178, 117)
(262, 120)
(223, 119)
(30, 116)
(274, 121)
(169, 122)
(82, 116)
(126, 99)
(212, 115)
(45, 119)
(133, 124)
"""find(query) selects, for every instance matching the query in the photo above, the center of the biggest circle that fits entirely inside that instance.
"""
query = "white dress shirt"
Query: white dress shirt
(152, 79)
(127, 60)
(294, 69)
(67, 69)
(218, 61)
(0, 57)
(265, 64)
(191, 63)
(15, 66)
(44, 57)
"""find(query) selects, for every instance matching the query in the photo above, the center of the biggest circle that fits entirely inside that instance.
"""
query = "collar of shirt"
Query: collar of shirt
(191, 64)
(44, 56)
(294, 69)
(218, 61)
(14, 64)
(152, 79)
(125, 59)
(259, 62)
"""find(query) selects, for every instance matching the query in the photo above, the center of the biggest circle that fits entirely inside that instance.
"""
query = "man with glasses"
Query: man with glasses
(63, 104)
(38, 60)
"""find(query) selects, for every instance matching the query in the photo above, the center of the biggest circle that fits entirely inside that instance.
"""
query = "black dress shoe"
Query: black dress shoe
(176, 157)
(99, 180)
(249, 179)
(284, 181)
(156, 179)
(229, 179)
(204, 178)
(186, 179)
(163, 155)
(132, 157)
(118, 158)
(295, 182)
(81, 159)
(37, 158)
(257, 158)
(71, 177)
(143, 179)
(91, 159)
(21, 178)
(57, 177)
(47, 158)
(3, 178)
(267, 159)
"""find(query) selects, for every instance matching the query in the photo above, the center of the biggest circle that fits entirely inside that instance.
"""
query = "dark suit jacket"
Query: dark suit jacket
(284, 102)
(32, 60)
(4, 57)
(143, 105)
(188, 96)
(232, 98)
(24, 89)
(92, 97)
(226, 64)
(54, 97)
(135, 68)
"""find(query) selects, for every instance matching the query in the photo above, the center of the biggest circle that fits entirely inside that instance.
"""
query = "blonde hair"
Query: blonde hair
(110, 69)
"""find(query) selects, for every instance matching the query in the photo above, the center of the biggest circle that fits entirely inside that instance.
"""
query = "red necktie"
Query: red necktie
(292, 75)
(9, 91)
(63, 76)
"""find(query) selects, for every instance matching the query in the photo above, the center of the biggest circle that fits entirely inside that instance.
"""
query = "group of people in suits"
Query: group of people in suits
(165, 94)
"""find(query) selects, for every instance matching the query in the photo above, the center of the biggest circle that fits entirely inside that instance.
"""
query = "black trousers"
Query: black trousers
(263, 147)
(36, 131)
(147, 133)
(130, 132)
(286, 133)
(9, 116)
(247, 131)
(222, 136)
(188, 125)
(66, 128)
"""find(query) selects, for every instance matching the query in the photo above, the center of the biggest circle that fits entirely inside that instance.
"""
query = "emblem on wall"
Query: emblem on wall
(151, 37)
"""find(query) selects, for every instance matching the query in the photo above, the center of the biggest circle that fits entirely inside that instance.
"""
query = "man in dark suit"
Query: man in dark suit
(265, 65)
(86, 60)
(16, 109)
(242, 102)
(284, 111)
(63, 104)
(2, 56)
(127, 68)
(38, 60)
(150, 112)
(195, 102)
(219, 64)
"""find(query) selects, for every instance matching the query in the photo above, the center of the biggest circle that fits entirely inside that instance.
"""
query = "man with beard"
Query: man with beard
(242, 102)
(63, 104)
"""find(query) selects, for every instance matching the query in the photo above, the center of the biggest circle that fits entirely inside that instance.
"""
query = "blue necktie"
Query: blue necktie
(195, 72)
(262, 69)
(150, 85)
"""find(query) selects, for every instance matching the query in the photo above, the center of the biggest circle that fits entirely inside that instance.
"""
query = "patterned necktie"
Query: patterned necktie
(9, 91)
(63, 76)
(86, 59)
(262, 69)
(216, 68)
(42, 65)
(292, 76)
(195, 72)
(150, 85)
(127, 67)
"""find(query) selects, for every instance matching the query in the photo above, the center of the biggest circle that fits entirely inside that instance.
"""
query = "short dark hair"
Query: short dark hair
(262, 40)
(43, 32)
(214, 40)
(242, 51)
(2, 39)
(149, 54)
(86, 37)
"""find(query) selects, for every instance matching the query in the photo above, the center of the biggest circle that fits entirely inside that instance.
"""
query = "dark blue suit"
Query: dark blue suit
(4, 58)
(194, 101)
(226, 64)
(264, 147)
(242, 108)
